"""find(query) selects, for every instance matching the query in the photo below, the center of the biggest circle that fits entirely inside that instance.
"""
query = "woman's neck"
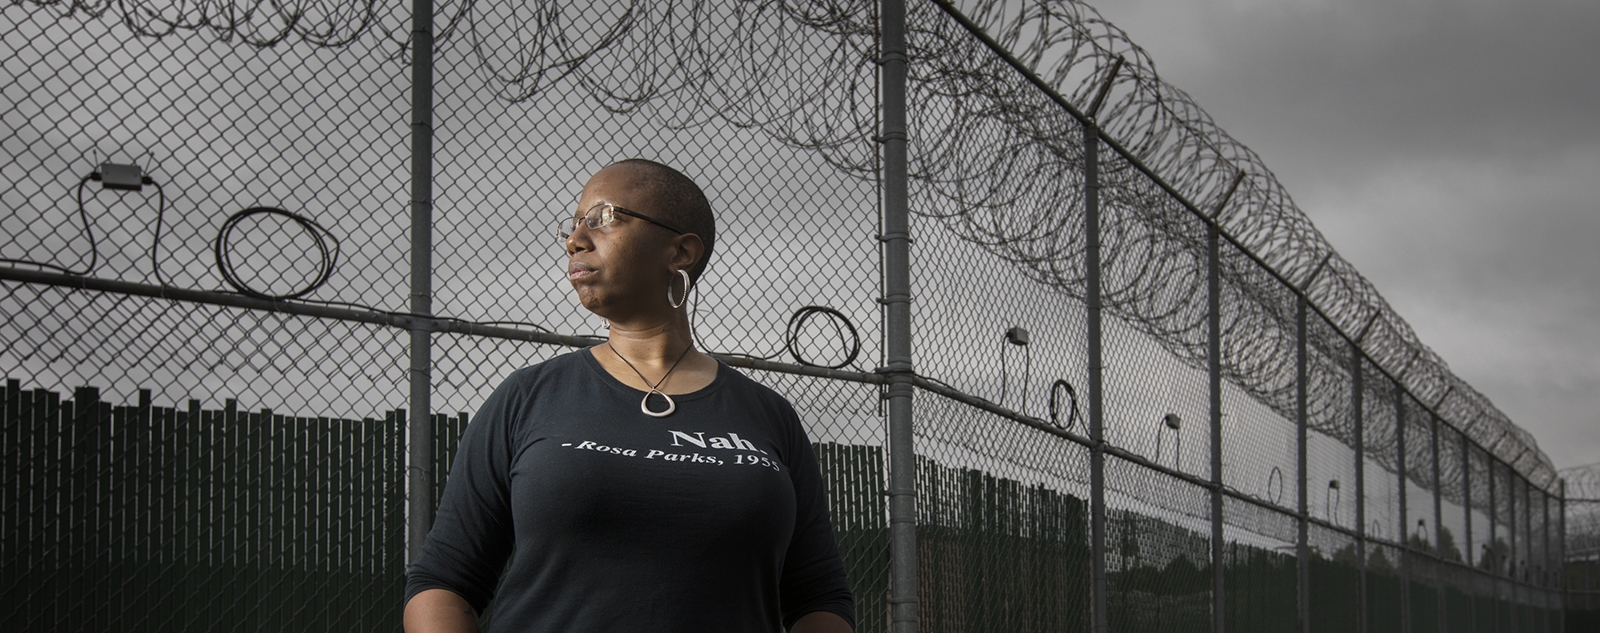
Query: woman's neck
(654, 343)
(661, 354)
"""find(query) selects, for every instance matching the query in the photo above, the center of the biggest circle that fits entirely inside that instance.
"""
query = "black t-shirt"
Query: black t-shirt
(711, 519)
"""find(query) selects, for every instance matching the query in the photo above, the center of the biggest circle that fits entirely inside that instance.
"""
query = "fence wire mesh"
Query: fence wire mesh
(1578, 518)
(209, 366)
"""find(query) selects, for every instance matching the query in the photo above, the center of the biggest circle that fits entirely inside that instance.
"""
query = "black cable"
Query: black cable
(535, 326)
(1027, 375)
(791, 336)
(88, 230)
(1027, 372)
(1072, 413)
(161, 210)
(1159, 433)
(1002, 400)
(1279, 475)
(329, 259)
(325, 265)
(418, 315)
(944, 384)
(799, 319)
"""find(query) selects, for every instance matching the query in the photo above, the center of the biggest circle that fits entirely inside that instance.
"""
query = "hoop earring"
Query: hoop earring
(679, 303)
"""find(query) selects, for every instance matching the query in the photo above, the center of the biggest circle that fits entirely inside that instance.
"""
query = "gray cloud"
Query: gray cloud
(1448, 149)
(1410, 78)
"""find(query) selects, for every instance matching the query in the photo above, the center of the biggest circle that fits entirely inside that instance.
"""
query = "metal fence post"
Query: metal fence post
(1466, 509)
(1214, 369)
(1528, 562)
(1527, 542)
(1358, 406)
(1493, 556)
(1405, 542)
(1438, 526)
(1561, 558)
(1302, 548)
(1527, 527)
(1544, 536)
(1516, 589)
(420, 481)
(1511, 545)
(1097, 458)
(1511, 539)
(897, 327)
(1466, 499)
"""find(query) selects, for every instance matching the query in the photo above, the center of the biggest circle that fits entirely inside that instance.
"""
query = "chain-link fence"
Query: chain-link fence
(1580, 523)
(340, 212)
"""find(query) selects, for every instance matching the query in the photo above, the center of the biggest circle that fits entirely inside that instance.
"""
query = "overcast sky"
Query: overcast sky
(1448, 148)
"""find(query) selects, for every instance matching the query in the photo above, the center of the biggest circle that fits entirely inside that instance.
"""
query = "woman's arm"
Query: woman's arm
(813, 583)
(445, 611)
(816, 622)
(455, 574)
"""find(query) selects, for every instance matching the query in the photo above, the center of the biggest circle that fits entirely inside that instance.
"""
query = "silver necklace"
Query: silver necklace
(644, 405)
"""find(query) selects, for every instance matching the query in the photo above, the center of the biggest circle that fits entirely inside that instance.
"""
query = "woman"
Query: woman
(638, 485)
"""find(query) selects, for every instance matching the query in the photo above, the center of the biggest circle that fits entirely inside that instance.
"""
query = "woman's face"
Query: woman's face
(621, 271)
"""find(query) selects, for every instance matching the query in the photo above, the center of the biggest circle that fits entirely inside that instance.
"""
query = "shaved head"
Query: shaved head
(678, 202)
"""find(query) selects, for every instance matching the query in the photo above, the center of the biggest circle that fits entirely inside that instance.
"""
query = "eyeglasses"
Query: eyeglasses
(600, 216)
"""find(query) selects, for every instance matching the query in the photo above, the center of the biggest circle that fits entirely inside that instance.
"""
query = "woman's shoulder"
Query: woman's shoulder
(511, 405)
(557, 365)
(761, 392)
(541, 377)
(738, 380)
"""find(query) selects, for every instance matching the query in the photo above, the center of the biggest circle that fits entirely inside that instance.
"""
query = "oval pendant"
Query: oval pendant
(644, 405)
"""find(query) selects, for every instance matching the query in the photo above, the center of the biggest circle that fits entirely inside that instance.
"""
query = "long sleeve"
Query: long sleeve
(472, 531)
(813, 572)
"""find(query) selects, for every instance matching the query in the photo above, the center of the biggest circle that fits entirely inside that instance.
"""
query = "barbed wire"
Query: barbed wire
(331, 23)
(1583, 482)
(1583, 510)
(985, 149)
